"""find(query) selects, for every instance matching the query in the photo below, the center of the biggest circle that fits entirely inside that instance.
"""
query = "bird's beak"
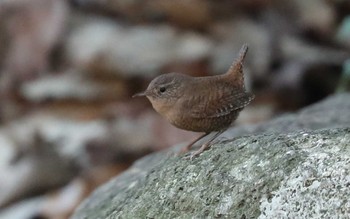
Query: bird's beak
(142, 94)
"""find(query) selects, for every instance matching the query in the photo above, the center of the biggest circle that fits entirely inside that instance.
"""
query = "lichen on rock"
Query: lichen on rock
(300, 173)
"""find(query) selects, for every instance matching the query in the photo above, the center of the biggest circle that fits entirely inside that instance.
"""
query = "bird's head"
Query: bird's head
(164, 91)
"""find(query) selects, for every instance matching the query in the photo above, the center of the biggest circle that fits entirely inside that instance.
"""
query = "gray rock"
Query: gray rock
(297, 166)
(330, 113)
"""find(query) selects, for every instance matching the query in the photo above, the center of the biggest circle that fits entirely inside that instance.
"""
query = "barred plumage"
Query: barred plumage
(201, 104)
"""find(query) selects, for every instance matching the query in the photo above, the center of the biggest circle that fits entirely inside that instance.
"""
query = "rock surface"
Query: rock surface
(296, 166)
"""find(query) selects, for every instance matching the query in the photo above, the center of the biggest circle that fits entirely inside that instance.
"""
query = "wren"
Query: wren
(201, 104)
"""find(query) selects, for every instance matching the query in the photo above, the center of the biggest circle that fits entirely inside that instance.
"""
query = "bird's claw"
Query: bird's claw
(196, 153)
(190, 156)
(187, 157)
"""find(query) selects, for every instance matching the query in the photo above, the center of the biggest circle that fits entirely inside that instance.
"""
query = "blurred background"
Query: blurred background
(68, 69)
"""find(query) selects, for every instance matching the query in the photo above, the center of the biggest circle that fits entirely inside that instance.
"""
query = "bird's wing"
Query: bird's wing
(220, 105)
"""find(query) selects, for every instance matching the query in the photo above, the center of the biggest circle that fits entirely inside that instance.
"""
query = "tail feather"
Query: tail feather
(235, 72)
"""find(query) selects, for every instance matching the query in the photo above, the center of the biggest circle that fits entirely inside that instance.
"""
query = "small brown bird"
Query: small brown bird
(201, 104)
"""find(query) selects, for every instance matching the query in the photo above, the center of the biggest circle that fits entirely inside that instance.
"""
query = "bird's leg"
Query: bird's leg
(207, 144)
(188, 147)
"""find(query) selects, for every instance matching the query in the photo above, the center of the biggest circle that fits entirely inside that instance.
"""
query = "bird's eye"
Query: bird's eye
(162, 89)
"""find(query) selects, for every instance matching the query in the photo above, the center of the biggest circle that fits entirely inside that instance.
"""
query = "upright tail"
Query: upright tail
(235, 72)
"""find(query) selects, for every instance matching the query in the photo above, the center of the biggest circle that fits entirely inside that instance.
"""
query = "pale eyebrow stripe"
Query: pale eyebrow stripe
(172, 82)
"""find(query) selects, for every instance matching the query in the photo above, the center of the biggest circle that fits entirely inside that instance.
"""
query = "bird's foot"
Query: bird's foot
(198, 152)
(188, 147)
